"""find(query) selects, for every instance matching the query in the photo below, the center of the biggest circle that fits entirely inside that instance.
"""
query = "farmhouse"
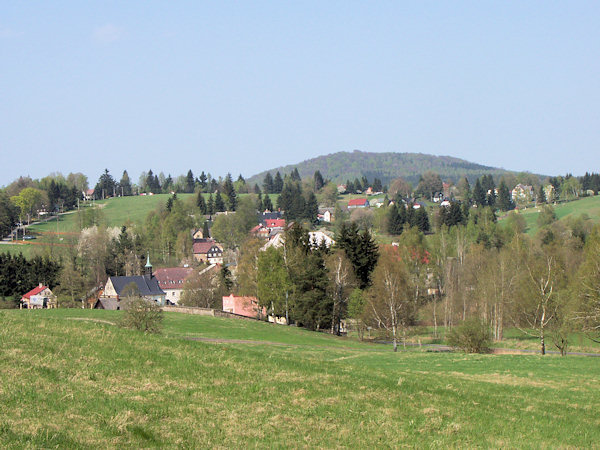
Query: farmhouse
(522, 193)
(208, 250)
(358, 203)
(171, 280)
(38, 298)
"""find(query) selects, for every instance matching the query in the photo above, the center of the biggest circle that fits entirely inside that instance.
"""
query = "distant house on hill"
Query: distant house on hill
(243, 306)
(325, 214)
(522, 193)
(316, 237)
(88, 194)
(39, 297)
(358, 203)
(171, 281)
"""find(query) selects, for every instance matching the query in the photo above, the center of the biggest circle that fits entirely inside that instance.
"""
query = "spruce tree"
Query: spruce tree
(219, 204)
(210, 207)
(267, 203)
(505, 202)
(541, 195)
(311, 208)
(125, 184)
(268, 184)
(259, 203)
(201, 203)
(189, 182)
(229, 191)
(295, 175)
(205, 230)
(277, 184)
(318, 180)
(479, 196)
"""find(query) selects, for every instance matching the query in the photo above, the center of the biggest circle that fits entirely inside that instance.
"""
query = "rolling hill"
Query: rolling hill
(342, 166)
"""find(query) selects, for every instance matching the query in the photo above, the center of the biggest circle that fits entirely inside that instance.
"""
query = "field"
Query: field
(586, 205)
(70, 378)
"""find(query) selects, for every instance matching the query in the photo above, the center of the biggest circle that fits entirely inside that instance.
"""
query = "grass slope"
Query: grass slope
(88, 384)
(589, 206)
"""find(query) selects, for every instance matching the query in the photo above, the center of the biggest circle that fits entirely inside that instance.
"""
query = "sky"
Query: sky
(247, 86)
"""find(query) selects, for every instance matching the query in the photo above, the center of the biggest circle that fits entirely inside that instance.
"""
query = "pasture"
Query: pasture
(71, 378)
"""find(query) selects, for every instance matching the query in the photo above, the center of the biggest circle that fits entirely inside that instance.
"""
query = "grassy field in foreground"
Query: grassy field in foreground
(71, 379)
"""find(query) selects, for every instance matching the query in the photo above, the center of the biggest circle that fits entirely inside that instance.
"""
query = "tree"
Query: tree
(274, 285)
(389, 296)
(341, 276)
(28, 201)
(71, 280)
(479, 196)
(318, 181)
(400, 187)
(125, 184)
(106, 185)
(267, 203)
(539, 285)
(311, 208)
(277, 183)
(295, 175)
(200, 290)
(268, 184)
(201, 203)
(395, 220)
(219, 203)
(189, 182)
(229, 191)
(505, 202)
(429, 184)
(361, 250)
(202, 180)
(141, 314)
(9, 213)
(356, 310)
(464, 190)
(471, 336)
(210, 205)
(586, 288)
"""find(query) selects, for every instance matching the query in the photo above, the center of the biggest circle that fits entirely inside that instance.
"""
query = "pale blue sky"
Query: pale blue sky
(247, 86)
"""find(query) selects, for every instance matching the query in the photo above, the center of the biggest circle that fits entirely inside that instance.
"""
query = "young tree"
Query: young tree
(219, 203)
(229, 191)
(200, 290)
(201, 203)
(341, 283)
(389, 297)
(189, 182)
(268, 184)
(274, 286)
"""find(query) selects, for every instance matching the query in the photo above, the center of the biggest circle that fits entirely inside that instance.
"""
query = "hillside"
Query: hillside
(71, 379)
(342, 166)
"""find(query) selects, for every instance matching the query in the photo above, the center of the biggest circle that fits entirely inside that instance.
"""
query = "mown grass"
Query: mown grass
(88, 384)
(574, 209)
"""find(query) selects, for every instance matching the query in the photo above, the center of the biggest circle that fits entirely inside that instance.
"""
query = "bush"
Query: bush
(142, 315)
(471, 336)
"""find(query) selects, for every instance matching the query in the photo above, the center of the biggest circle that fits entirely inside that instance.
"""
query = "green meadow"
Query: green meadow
(72, 379)
(589, 206)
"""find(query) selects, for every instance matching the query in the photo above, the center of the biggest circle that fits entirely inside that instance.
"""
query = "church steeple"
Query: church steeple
(148, 267)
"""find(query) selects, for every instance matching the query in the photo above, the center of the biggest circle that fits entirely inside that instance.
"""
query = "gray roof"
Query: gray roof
(146, 284)
(107, 303)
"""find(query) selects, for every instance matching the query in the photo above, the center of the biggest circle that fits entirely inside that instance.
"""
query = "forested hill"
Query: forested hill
(343, 166)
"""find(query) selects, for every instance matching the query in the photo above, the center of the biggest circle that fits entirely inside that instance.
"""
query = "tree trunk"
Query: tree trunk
(542, 343)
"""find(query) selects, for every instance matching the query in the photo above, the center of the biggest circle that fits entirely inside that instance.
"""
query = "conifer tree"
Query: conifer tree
(479, 196)
(267, 203)
(277, 184)
(268, 183)
(505, 202)
(189, 182)
(201, 203)
(318, 180)
(219, 204)
(210, 206)
(229, 191)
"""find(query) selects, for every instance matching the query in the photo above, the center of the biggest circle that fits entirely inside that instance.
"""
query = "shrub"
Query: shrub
(142, 315)
(471, 336)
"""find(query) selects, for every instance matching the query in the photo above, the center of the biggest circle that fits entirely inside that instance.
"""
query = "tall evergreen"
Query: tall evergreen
(210, 206)
(259, 203)
(479, 196)
(189, 182)
(219, 203)
(277, 184)
(360, 249)
(229, 191)
(267, 203)
(205, 230)
(295, 175)
(201, 203)
(125, 184)
(541, 195)
(202, 181)
(268, 184)
(395, 220)
(318, 180)
(505, 202)
(311, 208)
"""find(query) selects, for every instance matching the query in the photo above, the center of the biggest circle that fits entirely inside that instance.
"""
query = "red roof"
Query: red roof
(274, 223)
(357, 202)
(203, 247)
(172, 277)
(36, 290)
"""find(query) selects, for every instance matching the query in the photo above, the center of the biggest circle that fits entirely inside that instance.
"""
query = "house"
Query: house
(108, 304)
(325, 215)
(171, 281)
(522, 193)
(88, 194)
(243, 306)
(270, 215)
(341, 188)
(198, 234)
(358, 203)
(146, 285)
(39, 297)
(261, 231)
(208, 250)
(275, 223)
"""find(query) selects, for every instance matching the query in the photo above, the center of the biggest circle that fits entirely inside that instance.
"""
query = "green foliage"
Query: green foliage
(471, 336)
(546, 217)
(360, 249)
(141, 315)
